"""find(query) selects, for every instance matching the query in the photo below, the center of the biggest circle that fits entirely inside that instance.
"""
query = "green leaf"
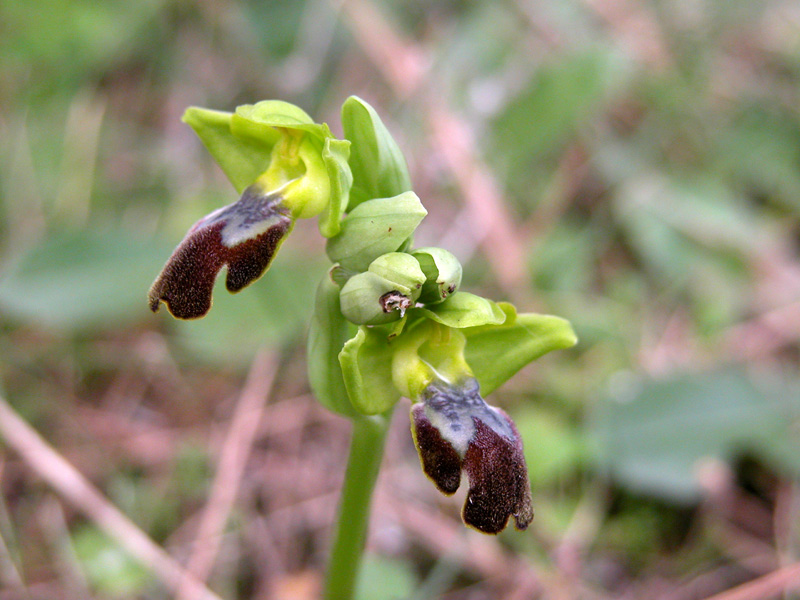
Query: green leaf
(241, 160)
(335, 154)
(464, 310)
(366, 362)
(379, 168)
(91, 278)
(327, 335)
(561, 96)
(109, 569)
(657, 436)
(374, 228)
(496, 352)
(385, 579)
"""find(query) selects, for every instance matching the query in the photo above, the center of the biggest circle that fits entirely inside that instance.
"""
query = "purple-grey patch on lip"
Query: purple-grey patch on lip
(244, 235)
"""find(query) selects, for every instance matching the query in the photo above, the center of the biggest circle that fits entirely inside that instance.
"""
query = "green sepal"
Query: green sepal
(463, 309)
(243, 144)
(241, 160)
(373, 228)
(496, 352)
(379, 168)
(366, 365)
(327, 335)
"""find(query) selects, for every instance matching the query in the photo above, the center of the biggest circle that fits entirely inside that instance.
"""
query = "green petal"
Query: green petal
(366, 362)
(379, 168)
(241, 160)
(463, 309)
(496, 352)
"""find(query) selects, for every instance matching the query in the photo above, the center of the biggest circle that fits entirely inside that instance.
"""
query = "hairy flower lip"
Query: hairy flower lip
(244, 236)
(454, 431)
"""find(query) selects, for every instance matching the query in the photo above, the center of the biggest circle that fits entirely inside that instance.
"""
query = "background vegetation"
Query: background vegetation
(632, 165)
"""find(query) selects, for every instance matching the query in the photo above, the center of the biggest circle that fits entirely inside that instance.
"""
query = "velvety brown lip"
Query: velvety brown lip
(256, 224)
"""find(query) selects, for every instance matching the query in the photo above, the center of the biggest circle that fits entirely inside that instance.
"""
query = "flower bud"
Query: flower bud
(369, 299)
(402, 269)
(384, 292)
(442, 272)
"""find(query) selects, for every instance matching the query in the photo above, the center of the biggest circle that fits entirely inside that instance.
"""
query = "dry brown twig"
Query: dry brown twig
(60, 474)
(235, 451)
(780, 581)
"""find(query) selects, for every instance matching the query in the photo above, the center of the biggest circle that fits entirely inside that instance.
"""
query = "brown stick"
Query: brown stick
(48, 464)
(230, 468)
(780, 581)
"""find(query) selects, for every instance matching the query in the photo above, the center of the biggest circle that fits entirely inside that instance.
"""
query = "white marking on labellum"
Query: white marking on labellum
(252, 215)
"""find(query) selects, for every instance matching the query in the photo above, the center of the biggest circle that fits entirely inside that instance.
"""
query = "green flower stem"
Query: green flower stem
(366, 453)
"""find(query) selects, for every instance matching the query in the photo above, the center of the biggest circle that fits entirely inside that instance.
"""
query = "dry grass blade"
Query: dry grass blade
(235, 451)
(777, 583)
(69, 483)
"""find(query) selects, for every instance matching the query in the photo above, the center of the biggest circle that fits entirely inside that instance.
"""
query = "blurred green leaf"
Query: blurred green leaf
(385, 579)
(561, 97)
(91, 278)
(554, 448)
(109, 569)
(762, 149)
(656, 435)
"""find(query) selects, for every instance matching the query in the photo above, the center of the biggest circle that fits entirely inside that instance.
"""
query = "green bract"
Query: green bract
(374, 228)
(327, 334)
(379, 169)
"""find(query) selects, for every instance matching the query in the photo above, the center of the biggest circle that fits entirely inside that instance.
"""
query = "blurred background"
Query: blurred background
(631, 165)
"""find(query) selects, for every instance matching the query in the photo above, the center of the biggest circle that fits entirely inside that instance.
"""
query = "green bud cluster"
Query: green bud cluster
(379, 283)
(389, 320)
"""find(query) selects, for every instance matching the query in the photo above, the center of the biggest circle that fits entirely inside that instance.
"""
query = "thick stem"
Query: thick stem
(366, 453)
